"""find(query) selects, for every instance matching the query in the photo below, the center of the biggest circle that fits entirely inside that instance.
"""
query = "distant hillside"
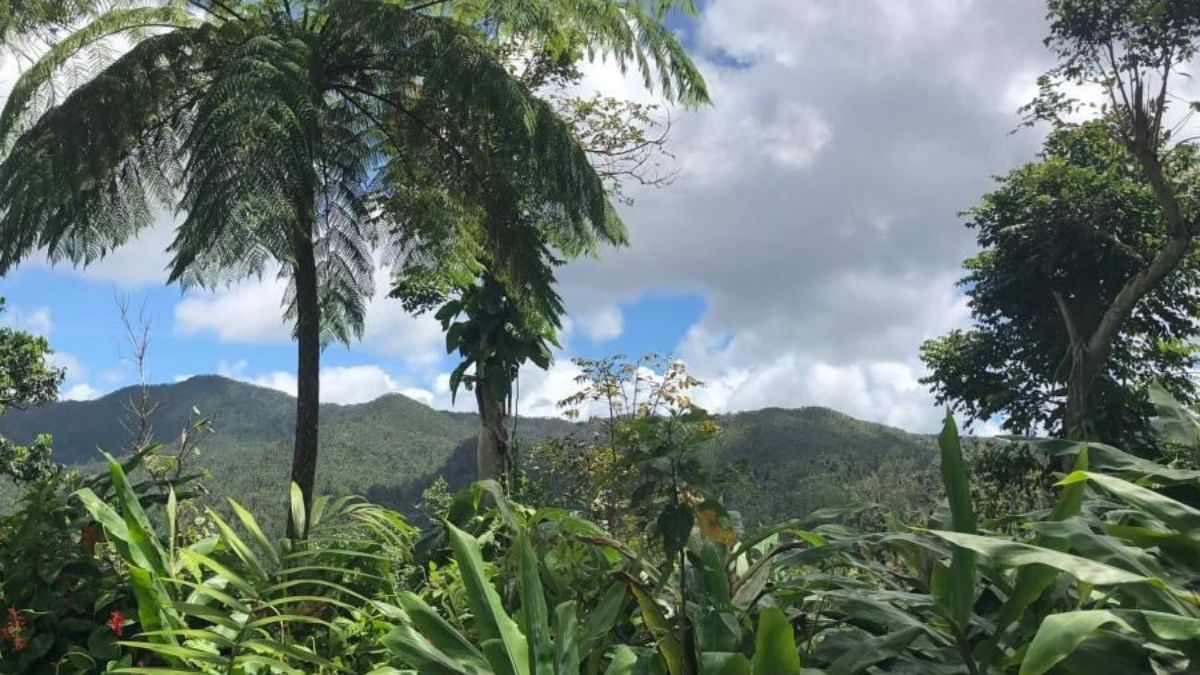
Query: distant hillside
(391, 449)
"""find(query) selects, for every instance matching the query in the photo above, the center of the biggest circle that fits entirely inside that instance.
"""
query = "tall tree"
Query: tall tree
(1131, 50)
(26, 379)
(493, 325)
(309, 135)
(1065, 234)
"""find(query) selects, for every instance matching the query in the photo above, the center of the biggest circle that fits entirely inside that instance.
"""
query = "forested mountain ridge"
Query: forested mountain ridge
(390, 449)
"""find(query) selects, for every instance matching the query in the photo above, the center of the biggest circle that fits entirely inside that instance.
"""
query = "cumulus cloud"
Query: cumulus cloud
(36, 320)
(248, 311)
(600, 324)
(81, 392)
(339, 384)
(816, 202)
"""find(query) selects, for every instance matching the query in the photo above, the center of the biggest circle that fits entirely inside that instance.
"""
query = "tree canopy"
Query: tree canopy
(26, 379)
(1064, 234)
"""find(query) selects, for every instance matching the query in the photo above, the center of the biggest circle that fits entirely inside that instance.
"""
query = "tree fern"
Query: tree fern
(308, 136)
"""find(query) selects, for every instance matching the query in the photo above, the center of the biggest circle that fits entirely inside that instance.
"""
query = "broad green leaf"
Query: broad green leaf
(658, 627)
(1176, 515)
(566, 627)
(1033, 580)
(775, 650)
(624, 660)
(724, 663)
(440, 633)
(143, 544)
(1010, 554)
(491, 621)
(956, 592)
(415, 650)
(602, 617)
(536, 620)
(1060, 634)
(873, 651)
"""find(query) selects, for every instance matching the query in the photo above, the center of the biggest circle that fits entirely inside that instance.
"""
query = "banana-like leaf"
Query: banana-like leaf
(1061, 634)
(873, 651)
(775, 650)
(1004, 553)
(668, 645)
(1033, 580)
(533, 608)
(1174, 514)
(955, 589)
(508, 651)
(566, 647)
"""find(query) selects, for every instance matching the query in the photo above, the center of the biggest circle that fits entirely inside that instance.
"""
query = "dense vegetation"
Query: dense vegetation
(654, 538)
(245, 451)
(141, 579)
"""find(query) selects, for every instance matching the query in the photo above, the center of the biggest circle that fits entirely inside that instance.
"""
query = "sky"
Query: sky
(809, 242)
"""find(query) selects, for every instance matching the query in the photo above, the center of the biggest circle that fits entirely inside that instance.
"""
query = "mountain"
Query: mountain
(391, 449)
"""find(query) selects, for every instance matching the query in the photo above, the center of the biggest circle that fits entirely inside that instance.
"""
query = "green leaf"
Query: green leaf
(566, 646)
(1176, 515)
(956, 592)
(624, 659)
(873, 651)
(536, 619)
(1010, 554)
(658, 627)
(440, 633)
(774, 645)
(299, 517)
(509, 651)
(1033, 580)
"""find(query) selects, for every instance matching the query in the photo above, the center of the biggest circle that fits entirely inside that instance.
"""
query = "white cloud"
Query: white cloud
(251, 311)
(248, 311)
(69, 363)
(81, 392)
(36, 320)
(601, 324)
(815, 210)
(339, 384)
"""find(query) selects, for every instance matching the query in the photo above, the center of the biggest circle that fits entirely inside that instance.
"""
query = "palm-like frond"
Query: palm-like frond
(270, 126)
(82, 179)
(239, 600)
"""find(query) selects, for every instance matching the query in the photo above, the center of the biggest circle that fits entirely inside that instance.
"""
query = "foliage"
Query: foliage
(1066, 233)
(26, 379)
(1130, 52)
(798, 460)
(234, 602)
(306, 137)
(646, 468)
(64, 595)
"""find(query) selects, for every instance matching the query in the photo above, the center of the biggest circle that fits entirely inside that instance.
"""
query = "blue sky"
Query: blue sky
(807, 246)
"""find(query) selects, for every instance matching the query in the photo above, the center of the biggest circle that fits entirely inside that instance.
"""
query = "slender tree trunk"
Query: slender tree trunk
(492, 453)
(308, 382)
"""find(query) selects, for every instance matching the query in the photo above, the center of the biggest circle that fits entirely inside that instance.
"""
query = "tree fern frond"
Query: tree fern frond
(74, 182)
(107, 26)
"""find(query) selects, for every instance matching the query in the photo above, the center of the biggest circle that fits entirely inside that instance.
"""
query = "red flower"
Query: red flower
(116, 622)
(14, 631)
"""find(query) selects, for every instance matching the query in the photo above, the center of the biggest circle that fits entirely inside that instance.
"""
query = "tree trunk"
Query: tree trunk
(492, 456)
(1085, 371)
(308, 382)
